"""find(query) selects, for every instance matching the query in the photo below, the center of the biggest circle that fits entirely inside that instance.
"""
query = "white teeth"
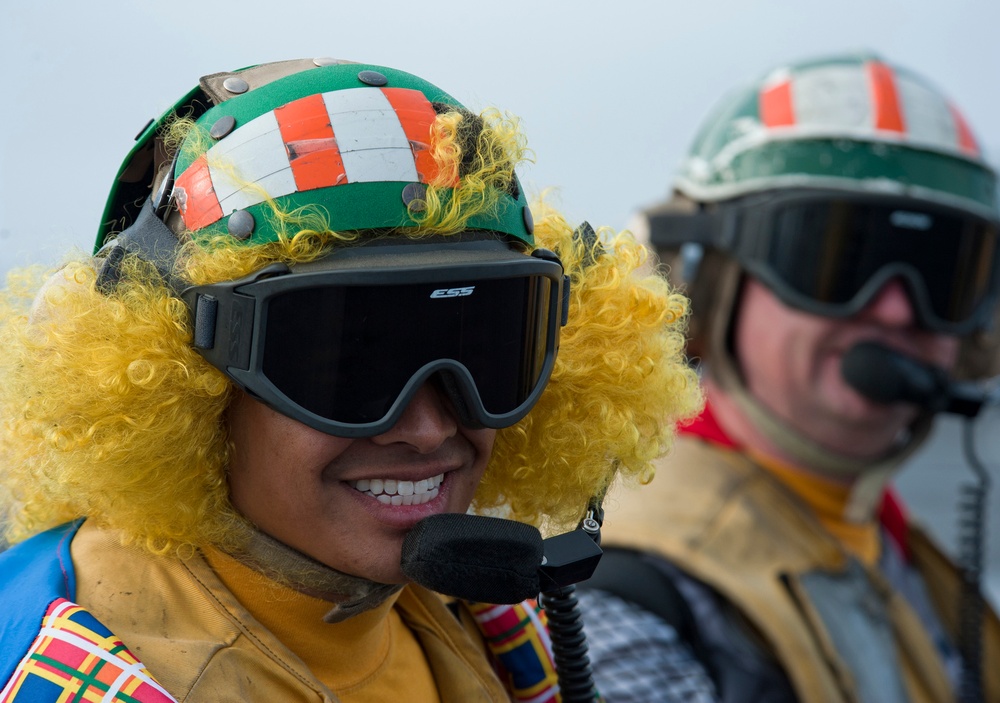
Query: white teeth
(390, 491)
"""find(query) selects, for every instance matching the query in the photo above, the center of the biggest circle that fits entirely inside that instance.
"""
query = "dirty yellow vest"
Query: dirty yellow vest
(203, 646)
(731, 525)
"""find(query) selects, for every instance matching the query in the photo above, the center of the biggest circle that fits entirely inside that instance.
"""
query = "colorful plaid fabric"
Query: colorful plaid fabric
(75, 659)
(519, 639)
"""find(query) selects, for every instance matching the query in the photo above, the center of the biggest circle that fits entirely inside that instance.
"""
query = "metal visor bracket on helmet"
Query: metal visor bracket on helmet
(830, 252)
(344, 343)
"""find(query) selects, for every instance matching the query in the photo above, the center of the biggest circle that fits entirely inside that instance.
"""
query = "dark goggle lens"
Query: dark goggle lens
(346, 353)
(829, 250)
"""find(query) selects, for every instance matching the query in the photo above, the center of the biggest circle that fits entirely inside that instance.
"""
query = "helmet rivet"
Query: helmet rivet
(413, 197)
(529, 221)
(372, 78)
(235, 84)
(241, 224)
(223, 126)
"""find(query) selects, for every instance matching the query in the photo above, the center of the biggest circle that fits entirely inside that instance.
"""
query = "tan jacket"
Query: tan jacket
(728, 523)
(202, 645)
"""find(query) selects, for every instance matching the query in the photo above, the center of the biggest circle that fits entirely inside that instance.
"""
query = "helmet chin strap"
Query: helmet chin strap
(869, 476)
(349, 595)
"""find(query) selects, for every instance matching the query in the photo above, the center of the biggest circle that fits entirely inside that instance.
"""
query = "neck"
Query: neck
(348, 595)
(845, 504)
(753, 427)
(737, 425)
(299, 622)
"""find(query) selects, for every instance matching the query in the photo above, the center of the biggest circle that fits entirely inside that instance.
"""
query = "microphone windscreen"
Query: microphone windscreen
(478, 558)
(887, 376)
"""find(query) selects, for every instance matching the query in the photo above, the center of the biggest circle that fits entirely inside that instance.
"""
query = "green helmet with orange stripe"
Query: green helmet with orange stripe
(349, 139)
(850, 122)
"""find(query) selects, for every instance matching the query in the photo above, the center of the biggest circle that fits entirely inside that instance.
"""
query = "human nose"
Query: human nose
(425, 424)
(891, 306)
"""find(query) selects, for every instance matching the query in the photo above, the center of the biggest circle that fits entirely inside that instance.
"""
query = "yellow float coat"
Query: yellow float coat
(732, 525)
(203, 645)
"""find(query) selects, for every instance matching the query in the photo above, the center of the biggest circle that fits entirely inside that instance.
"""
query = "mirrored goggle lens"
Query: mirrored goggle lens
(828, 250)
(346, 353)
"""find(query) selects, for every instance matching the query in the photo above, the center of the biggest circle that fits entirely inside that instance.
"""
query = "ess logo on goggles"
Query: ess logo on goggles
(452, 292)
(343, 344)
(831, 252)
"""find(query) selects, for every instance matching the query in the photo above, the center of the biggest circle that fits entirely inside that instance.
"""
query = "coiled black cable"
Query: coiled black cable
(569, 645)
(971, 534)
(887, 376)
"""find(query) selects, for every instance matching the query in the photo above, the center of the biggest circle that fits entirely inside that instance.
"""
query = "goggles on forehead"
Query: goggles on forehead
(344, 343)
(830, 252)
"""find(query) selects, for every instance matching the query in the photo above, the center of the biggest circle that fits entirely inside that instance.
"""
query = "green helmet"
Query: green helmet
(349, 138)
(850, 122)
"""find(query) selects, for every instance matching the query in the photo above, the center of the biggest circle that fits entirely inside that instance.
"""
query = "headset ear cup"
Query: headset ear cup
(148, 238)
(110, 272)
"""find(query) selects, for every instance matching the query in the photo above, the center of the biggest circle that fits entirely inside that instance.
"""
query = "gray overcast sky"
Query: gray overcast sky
(610, 95)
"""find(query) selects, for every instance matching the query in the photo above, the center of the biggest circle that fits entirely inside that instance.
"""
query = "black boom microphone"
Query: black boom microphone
(492, 560)
(887, 376)
(474, 557)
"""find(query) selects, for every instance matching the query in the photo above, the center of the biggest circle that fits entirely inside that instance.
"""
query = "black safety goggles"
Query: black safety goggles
(830, 252)
(343, 344)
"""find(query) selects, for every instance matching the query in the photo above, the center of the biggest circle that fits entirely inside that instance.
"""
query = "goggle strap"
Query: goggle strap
(669, 230)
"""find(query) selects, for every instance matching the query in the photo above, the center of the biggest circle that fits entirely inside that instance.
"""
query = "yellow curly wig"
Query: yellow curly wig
(109, 413)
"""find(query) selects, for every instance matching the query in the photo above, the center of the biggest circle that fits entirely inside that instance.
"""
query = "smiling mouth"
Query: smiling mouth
(389, 491)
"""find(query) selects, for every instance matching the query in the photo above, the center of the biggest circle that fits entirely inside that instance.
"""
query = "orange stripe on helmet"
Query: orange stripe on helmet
(195, 196)
(776, 108)
(310, 143)
(885, 97)
(966, 140)
(416, 115)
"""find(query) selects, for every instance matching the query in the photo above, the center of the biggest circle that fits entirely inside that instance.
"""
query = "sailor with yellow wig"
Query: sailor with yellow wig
(320, 314)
